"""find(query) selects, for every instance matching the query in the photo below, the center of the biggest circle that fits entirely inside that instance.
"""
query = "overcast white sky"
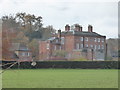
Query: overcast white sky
(102, 15)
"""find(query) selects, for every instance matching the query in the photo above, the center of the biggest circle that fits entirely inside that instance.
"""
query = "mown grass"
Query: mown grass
(60, 78)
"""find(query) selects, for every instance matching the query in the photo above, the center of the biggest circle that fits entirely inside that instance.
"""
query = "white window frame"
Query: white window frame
(95, 46)
(81, 38)
(98, 46)
(86, 45)
(102, 46)
(56, 40)
(91, 46)
(102, 39)
(98, 39)
(55, 48)
(77, 46)
(60, 47)
(23, 53)
(95, 39)
(48, 46)
(28, 54)
(62, 40)
(86, 38)
(81, 46)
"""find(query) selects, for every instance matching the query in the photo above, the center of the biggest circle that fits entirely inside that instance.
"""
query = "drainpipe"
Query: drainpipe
(83, 41)
(106, 51)
(92, 54)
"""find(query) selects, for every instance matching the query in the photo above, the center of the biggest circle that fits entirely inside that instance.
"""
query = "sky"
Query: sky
(102, 15)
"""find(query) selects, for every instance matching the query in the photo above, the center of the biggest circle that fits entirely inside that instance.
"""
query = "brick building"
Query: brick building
(74, 43)
(20, 52)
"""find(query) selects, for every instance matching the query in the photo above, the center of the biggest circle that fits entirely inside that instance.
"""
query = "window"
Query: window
(81, 45)
(86, 39)
(102, 46)
(28, 54)
(98, 39)
(60, 47)
(95, 46)
(86, 45)
(91, 46)
(62, 40)
(48, 46)
(77, 45)
(56, 40)
(55, 47)
(102, 40)
(23, 54)
(81, 38)
(98, 46)
(95, 39)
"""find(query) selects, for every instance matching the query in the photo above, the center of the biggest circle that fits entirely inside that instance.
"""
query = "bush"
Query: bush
(69, 64)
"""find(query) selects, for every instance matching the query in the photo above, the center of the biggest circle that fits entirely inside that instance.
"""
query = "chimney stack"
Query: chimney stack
(59, 33)
(67, 27)
(78, 27)
(90, 28)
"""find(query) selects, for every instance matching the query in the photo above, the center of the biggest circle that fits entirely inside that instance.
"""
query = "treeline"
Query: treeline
(23, 28)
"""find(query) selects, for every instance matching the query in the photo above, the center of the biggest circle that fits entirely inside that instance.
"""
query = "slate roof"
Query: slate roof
(52, 38)
(83, 33)
(19, 47)
(14, 55)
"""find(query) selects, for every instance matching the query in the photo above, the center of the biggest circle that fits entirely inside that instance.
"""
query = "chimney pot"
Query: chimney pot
(78, 27)
(90, 28)
(59, 33)
(67, 27)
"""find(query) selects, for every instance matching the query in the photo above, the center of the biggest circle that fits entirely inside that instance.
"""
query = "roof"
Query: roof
(52, 38)
(14, 55)
(83, 33)
(19, 47)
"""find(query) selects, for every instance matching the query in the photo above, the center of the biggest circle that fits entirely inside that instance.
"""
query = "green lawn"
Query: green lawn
(60, 78)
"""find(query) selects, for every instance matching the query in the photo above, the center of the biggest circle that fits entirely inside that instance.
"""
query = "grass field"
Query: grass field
(60, 78)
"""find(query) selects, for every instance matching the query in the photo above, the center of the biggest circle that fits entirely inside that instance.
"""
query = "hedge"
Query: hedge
(67, 64)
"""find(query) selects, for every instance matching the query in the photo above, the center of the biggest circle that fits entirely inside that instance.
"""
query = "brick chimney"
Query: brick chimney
(59, 34)
(90, 28)
(78, 27)
(67, 27)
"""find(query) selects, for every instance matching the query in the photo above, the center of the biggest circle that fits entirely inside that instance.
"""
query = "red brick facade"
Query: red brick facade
(24, 55)
(76, 43)
(20, 52)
